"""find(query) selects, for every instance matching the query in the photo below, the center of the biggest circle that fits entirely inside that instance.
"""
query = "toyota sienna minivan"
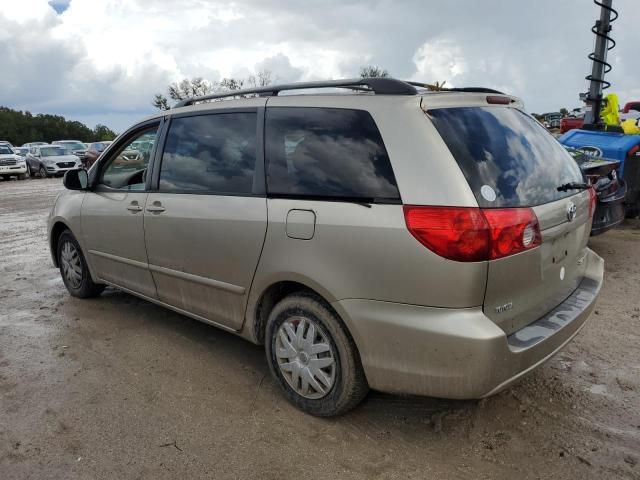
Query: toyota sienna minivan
(390, 237)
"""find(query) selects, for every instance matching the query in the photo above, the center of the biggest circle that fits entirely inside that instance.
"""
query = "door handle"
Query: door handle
(155, 208)
(134, 207)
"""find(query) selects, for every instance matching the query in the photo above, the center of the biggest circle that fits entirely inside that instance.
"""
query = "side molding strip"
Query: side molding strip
(209, 282)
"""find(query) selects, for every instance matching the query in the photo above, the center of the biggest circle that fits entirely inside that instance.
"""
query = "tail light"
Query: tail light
(593, 198)
(469, 234)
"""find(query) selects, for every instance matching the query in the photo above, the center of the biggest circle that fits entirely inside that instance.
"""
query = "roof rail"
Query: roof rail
(436, 88)
(379, 86)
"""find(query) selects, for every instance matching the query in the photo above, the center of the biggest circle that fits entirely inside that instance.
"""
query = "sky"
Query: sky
(101, 61)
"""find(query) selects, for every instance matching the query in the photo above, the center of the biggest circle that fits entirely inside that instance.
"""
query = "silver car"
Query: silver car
(393, 238)
(51, 160)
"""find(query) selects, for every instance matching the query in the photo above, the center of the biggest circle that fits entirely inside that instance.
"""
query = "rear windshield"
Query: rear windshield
(508, 159)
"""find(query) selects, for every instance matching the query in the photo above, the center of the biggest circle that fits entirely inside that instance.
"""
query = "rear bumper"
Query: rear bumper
(460, 353)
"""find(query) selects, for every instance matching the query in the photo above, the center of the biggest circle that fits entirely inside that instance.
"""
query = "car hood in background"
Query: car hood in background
(62, 158)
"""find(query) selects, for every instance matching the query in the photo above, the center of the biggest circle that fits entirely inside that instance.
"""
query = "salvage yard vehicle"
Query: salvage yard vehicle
(11, 164)
(552, 119)
(51, 160)
(72, 147)
(619, 147)
(610, 189)
(395, 238)
(94, 150)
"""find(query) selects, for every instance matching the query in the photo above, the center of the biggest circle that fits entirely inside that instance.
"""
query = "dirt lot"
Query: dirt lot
(116, 387)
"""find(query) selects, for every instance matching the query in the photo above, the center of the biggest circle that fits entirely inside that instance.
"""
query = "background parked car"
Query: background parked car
(22, 151)
(51, 160)
(610, 189)
(34, 144)
(94, 151)
(72, 147)
(5, 143)
(11, 164)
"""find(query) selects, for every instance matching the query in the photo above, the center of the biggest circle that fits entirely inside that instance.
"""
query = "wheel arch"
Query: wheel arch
(280, 289)
(56, 230)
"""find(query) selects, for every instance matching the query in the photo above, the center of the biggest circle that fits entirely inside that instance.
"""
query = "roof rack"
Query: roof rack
(379, 86)
(436, 88)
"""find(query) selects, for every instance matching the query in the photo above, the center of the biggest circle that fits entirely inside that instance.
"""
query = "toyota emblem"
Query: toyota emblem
(571, 211)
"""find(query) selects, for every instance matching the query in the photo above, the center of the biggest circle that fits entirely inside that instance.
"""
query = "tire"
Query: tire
(42, 172)
(73, 268)
(334, 354)
(23, 176)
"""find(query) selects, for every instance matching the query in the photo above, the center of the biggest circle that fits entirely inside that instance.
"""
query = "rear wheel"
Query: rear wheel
(313, 358)
(73, 268)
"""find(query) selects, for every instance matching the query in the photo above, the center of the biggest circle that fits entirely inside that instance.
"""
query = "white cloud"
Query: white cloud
(104, 59)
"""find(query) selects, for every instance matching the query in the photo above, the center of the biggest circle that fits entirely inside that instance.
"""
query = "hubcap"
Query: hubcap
(71, 264)
(305, 357)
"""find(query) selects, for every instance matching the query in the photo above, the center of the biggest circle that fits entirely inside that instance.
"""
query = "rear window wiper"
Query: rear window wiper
(573, 186)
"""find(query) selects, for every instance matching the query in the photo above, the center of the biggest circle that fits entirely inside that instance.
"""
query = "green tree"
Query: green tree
(21, 127)
(102, 132)
(564, 112)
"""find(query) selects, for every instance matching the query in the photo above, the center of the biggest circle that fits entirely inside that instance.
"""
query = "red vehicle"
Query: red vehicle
(570, 123)
(631, 106)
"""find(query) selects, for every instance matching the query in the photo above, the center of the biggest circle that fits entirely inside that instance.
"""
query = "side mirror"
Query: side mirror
(76, 179)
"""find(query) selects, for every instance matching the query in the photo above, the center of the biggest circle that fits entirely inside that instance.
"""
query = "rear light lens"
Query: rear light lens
(593, 198)
(633, 150)
(472, 234)
(513, 230)
(498, 100)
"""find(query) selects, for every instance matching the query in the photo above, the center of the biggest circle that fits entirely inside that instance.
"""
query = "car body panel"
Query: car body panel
(340, 256)
(460, 353)
(523, 287)
(113, 238)
(209, 268)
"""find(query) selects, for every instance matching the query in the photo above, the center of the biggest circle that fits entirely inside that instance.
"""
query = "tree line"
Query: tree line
(20, 127)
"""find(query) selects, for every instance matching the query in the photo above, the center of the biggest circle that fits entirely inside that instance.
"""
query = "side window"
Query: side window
(213, 153)
(327, 152)
(127, 167)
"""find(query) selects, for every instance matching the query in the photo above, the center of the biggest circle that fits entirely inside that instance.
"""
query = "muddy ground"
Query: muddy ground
(116, 387)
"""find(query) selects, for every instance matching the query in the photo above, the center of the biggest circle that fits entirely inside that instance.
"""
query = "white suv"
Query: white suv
(11, 164)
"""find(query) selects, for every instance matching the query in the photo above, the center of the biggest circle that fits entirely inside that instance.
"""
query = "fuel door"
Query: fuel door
(301, 224)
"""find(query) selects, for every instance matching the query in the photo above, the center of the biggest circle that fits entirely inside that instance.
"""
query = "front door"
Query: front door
(205, 225)
(113, 215)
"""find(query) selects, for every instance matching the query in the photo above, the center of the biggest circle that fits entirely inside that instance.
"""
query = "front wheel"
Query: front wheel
(73, 268)
(313, 358)
(43, 172)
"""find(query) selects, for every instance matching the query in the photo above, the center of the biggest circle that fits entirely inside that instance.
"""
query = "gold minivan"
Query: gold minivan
(391, 237)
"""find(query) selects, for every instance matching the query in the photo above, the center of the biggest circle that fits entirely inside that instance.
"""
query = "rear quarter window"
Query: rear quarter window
(327, 153)
(508, 159)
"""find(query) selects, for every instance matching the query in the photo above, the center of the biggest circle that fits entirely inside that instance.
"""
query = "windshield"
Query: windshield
(52, 151)
(508, 159)
(5, 150)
